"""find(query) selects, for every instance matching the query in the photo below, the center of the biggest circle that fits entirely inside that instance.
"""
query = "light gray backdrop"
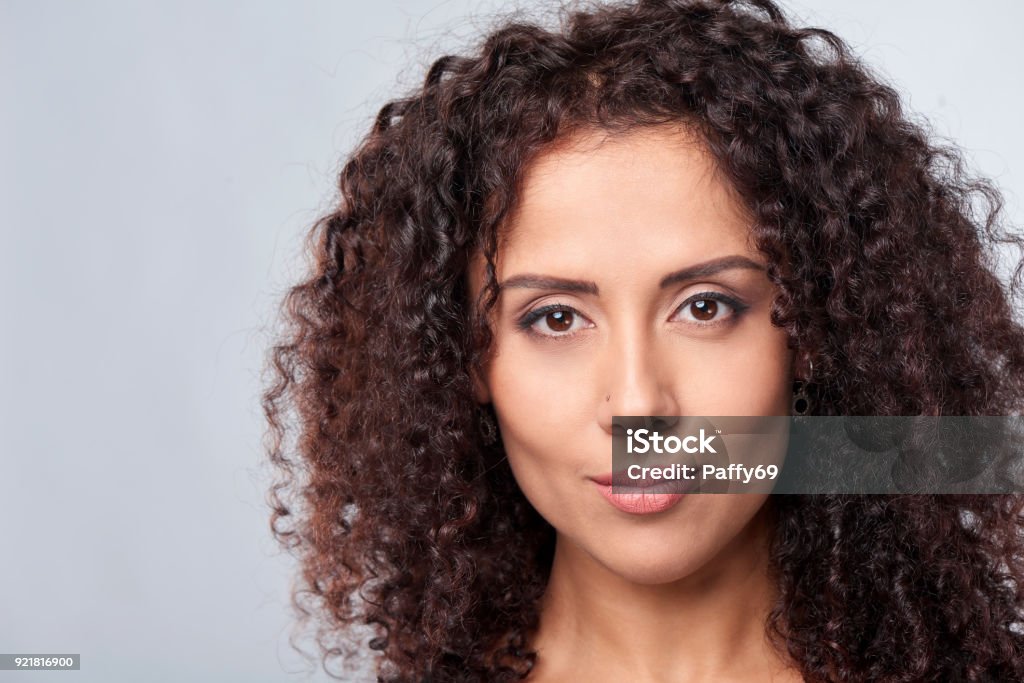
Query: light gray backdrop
(159, 164)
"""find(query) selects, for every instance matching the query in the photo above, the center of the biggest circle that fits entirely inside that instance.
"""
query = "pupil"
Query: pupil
(705, 309)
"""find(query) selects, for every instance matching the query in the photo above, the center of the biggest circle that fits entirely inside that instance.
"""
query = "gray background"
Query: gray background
(159, 165)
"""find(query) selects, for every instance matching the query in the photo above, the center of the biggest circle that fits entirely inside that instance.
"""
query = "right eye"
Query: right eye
(554, 320)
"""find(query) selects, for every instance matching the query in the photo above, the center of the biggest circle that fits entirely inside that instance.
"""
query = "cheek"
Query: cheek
(539, 396)
(751, 375)
(540, 387)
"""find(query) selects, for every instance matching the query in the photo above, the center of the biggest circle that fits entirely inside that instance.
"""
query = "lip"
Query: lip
(641, 497)
(622, 480)
(641, 500)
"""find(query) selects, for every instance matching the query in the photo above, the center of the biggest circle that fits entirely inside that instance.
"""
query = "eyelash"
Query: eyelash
(527, 321)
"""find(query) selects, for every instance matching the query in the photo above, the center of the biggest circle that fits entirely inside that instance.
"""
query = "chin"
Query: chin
(653, 571)
(653, 560)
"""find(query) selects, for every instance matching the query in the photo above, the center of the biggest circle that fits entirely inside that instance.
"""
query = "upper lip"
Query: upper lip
(621, 478)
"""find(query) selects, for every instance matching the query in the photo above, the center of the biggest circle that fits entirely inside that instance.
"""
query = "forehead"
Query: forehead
(650, 197)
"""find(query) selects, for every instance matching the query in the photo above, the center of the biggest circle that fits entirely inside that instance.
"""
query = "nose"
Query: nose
(638, 383)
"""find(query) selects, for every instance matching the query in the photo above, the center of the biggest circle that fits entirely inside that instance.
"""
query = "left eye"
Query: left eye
(705, 308)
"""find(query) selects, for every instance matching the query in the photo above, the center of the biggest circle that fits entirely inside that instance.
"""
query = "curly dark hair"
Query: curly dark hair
(414, 540)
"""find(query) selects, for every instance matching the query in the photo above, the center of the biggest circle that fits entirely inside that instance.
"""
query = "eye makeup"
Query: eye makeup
(709, 301)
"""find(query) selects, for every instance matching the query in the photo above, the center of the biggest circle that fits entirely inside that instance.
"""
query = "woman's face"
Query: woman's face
(594, 320)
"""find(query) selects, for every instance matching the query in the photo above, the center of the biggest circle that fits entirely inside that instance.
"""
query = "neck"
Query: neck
(696, 628)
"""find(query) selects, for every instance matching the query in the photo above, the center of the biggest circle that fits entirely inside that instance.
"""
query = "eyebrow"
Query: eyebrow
(530, 281)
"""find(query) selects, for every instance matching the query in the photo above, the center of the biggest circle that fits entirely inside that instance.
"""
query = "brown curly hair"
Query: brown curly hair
(414, 540)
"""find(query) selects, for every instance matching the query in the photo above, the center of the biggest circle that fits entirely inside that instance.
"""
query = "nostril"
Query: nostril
(621, 424)
(655, 422)
(664, 423)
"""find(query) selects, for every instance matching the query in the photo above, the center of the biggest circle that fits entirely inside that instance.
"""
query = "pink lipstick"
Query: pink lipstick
(640, 497)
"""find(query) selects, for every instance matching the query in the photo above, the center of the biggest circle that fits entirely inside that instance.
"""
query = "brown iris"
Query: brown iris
(559, 321)
(704, 309)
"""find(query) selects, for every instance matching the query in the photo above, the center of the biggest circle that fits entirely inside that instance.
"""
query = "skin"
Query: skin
(678, 595)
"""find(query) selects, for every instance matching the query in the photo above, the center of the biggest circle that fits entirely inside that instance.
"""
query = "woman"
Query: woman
(664, 208)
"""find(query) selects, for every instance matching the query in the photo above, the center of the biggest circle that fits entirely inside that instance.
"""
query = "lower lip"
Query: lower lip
(642, 502)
